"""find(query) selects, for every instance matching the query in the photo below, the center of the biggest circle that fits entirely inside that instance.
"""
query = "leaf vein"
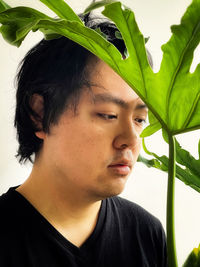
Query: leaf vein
(178, 68)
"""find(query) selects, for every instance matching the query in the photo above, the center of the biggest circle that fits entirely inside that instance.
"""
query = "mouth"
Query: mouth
(120, 169)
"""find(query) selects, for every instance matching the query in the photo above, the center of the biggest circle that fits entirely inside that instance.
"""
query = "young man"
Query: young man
(81, 122)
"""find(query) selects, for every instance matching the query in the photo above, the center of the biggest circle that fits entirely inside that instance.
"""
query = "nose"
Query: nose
(128, 137)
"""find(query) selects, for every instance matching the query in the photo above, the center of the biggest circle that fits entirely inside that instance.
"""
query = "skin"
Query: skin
(72, 173)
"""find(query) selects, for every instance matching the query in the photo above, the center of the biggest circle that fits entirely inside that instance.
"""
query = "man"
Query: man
(79, 123)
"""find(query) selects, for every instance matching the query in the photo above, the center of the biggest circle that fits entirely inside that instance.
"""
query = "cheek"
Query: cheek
(87, 146)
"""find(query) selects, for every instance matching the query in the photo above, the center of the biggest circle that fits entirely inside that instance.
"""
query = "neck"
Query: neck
(66, 209)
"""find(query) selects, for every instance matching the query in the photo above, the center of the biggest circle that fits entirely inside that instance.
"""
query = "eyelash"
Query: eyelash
(107, 116)
(141, 121)
(111, 117)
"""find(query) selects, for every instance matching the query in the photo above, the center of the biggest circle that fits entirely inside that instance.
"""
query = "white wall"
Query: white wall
(146, 186)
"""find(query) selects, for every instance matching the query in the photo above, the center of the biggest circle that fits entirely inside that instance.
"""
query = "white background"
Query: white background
(145, 186)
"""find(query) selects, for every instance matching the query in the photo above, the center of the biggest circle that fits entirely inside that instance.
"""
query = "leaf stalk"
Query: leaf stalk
(171, 245)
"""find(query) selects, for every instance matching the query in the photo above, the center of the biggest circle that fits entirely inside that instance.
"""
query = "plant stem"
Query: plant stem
(171, 246)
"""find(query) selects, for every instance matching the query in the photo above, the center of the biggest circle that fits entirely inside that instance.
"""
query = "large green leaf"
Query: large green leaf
(172, 94)
(174, 110)
(17, 22)
(180, 88)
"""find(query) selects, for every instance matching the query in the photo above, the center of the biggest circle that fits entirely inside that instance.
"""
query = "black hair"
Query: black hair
(56, 70)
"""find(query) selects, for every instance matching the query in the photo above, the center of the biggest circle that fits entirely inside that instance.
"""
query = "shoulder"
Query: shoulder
(6, 202)
(141, 225)
(9, 207)
(133, 213)
(142, 231)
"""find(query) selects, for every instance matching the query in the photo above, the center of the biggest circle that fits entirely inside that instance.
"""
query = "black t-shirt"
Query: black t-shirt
(125, 236)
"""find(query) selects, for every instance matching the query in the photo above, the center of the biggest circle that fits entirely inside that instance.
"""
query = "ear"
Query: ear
(40, 134)
(37, 105)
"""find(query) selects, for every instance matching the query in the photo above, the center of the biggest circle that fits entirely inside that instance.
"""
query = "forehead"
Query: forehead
(108, 86)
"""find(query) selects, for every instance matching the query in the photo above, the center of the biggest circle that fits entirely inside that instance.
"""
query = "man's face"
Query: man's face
(93, 152)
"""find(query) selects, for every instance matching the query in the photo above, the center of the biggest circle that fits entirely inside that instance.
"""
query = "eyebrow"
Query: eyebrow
(108, 98)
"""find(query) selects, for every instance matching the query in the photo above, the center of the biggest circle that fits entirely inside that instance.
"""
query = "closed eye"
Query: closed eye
(104, 116)
(107, 116)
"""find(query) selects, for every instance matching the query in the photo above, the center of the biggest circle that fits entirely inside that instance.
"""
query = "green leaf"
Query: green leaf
(165, 136)
(18, 22)
(146, 39)
(184, 158)
(193, 259)
(136, 69)
(49, 34)
(63, 10)
(3, 6)
(98, 30)
(199, 148)
(98, 4)
(161, 163)
(86, 37)
(172, 94)
(177, 89)
(118, 35)
(152, 163)
(151, 129)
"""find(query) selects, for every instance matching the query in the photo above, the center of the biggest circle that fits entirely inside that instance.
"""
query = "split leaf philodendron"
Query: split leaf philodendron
(172, 94)
(189, 174)
(161, 90)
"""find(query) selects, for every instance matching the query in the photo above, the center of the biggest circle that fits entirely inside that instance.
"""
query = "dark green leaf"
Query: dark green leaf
(184, 158)
(152, 163)
(193, 259)
(3, 6)
(186, 175)
(18, 22)
(118, 35)
(146, 39)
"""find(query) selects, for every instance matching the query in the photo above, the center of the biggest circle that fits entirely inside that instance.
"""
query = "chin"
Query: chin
(111, 191)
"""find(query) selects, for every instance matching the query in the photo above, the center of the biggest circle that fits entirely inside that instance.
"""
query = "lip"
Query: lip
(122, 166)
(120, 169)
(122, 162)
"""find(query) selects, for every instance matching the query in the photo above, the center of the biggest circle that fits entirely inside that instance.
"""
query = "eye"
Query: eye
(140, 121)
(107, 116)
